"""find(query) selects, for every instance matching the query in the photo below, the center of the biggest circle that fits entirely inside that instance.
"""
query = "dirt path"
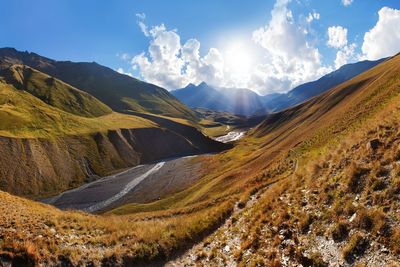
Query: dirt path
(219, 248)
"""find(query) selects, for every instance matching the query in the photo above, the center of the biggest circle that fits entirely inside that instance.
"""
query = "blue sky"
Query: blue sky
(268, 46)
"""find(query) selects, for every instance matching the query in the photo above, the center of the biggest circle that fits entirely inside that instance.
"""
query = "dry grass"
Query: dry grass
(317, 153)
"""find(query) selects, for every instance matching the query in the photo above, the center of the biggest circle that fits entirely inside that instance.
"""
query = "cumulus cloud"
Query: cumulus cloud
(292, 59)
(172, 65)
(337, 36)
(290, 56)
(383, 39)
(347, 2)
(345, 55)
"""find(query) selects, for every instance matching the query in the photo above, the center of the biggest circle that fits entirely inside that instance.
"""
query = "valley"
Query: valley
(140, 179)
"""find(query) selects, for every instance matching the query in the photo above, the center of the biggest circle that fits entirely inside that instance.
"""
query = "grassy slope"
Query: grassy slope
(323, 121)
(54, 92)
(23, 115)
(318, 151)
(298, 137)
(120, 92)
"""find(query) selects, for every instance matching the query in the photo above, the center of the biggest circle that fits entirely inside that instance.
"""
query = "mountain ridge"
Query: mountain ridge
(246, 102)
(120, 92)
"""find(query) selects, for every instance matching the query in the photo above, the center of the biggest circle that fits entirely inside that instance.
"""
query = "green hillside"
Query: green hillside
(120, 92)
(54, 92)
(24, 115)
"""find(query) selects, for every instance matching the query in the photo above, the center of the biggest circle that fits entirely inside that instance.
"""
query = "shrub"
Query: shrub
(356, 247)
(395, 241)
(364, 220)
(315, 260)
(340, 231)
(305, 223)
(378, 185)
(356, 178)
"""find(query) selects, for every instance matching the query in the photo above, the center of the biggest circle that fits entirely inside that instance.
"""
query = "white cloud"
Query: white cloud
(383, 39)
(290, 57)
(140, 21)
(337, 36)
(345, 55)
(347, 2)
(124, 56)
(313, 16)
(122, 71)
(141, 16)
(172, 65)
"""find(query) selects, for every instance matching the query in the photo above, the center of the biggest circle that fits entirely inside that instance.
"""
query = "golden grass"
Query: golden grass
(308, 151)
(23, 115)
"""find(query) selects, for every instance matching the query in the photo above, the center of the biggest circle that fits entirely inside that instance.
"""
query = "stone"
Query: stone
(53, 231)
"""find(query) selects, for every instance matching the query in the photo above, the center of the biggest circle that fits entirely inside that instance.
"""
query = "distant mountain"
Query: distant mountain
(243, 101)
(305, 91)
(202, 96)
(247, 102)
(120, 92)
(233, 100)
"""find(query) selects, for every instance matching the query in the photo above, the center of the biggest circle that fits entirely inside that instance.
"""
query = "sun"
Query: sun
(238, 59)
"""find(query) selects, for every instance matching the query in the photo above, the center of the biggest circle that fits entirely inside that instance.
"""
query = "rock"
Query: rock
(53, 231)
(384, 250)
(352, 218)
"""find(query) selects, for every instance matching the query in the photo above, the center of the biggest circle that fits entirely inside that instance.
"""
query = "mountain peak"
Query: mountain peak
(202, 84)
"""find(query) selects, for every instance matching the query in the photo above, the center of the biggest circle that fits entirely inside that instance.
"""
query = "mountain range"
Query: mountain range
(315, 183)
(120, 92)
(247, 102)
(236, 101)
(67, 123)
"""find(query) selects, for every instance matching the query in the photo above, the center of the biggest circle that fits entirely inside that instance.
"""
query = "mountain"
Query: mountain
(53, 91)
(316, 184)
(233, 100)
(54, 136)
(247, 102)
(308, 90)
(243, 101)
(120, 92)
(201, 96)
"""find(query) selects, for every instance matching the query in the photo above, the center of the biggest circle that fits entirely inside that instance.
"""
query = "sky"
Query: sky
(267, 46)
